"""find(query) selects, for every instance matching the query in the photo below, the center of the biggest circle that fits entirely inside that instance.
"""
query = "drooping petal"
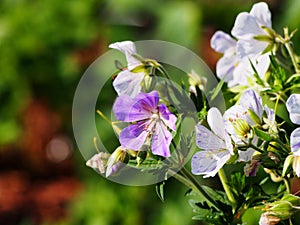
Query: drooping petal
(133, 137)
(215, 122)
(295, 142)
(207, 140)
(250, 99)
(167, 117)
(128, 83)
(127, 48)
(246, 27)
(139, 108)
(262, 14)
(222, 42)
(208, 163)
(161, 140)
(293, 107)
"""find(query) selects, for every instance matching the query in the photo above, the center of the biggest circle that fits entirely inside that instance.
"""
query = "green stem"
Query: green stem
(290, 50)
(197, 187)
(227, 190)
(287, 185)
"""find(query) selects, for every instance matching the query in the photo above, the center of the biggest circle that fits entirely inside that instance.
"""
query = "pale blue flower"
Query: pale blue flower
(237, 117)
(216, 146)
(234, 69)
(293, 107)
(248, 26)
(150, 120)
(128, 82)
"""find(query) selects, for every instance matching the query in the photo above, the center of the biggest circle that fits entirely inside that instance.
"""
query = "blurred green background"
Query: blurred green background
(45, 47)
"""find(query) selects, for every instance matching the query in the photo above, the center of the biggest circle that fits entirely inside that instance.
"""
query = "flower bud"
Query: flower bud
(98, 161)
(116, 161)
(267, 219)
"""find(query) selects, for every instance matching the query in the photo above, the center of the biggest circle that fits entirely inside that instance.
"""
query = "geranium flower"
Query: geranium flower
(249, 28)
(128, 82)
(149, 119)
(295, 148)
(293, 107)
(238, 120)
(234, 69)
(216, 146)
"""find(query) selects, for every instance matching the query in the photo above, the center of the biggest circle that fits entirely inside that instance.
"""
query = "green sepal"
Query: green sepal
(262, 135)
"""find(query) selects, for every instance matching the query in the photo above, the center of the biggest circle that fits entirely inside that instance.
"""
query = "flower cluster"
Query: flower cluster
(256, 136)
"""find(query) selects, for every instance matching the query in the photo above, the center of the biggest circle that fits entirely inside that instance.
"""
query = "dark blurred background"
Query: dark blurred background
(45, 47)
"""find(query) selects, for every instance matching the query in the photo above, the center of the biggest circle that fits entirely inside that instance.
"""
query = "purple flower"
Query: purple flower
(149, 119)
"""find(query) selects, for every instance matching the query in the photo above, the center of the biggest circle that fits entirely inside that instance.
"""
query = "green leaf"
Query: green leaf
(160, 190)
(261, 134)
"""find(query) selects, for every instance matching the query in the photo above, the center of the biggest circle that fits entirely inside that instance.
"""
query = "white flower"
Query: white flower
(238, 120)
(293, 107)
(128, 82)
(234, 69)
(216, 146)
(249, 26)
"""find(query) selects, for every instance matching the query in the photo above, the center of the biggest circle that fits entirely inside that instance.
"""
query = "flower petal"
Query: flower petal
(295, 142)
(127, 48)
(215, 122)
(262, 14)
(250, 48)
(222, 42)
(167, 117)
(161, 140)
(246, 27)
(208, 163)
(293, 107)
(207, 140)
(250, 99)
(128, 83)
(141, 107)
(231, 115)
(134, 136)
(225, 67)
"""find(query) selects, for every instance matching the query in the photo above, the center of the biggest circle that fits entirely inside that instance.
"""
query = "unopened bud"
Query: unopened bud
(117, 159)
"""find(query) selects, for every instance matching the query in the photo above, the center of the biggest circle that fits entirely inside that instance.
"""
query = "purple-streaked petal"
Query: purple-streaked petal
(128, 83)
(207, 140)
(134, 136)
(128, 49)
(226, 66)
(167, 117)
(293, 107)
(262, 14)
(208, 163)
(270, 113)
(295, 142)
(222, 42)
(250, 99)
(246, 27)
(215, 122)
(139, 108)
(161, 140)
